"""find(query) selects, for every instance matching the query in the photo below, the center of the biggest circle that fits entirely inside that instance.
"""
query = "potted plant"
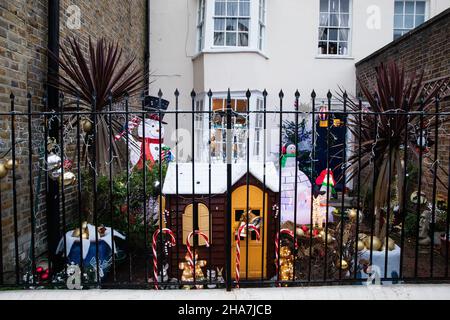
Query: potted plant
(382, 133)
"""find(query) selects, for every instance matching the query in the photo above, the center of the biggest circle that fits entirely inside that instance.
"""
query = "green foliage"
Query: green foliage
(122, 205)
(411, 224)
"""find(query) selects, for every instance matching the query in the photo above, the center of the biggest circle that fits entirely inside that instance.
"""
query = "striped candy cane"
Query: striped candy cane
(130, 126)
(188, 245)
(155, 256)
(238, 249)
(277, 240)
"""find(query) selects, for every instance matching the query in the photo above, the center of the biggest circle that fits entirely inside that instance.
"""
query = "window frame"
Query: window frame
(337, 28)
(201, 17)
(404, 30)
(262, 21)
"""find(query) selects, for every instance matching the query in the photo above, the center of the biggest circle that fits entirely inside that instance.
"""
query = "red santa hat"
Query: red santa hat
(320, 179)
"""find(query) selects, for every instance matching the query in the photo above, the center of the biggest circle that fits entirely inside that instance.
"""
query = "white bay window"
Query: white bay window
(231, 25)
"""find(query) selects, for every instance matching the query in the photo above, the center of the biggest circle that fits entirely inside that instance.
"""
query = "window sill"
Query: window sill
(229, 50)
(332, 56)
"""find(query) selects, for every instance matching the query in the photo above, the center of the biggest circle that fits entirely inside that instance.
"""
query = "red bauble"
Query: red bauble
(44, 276)
(39, 269)
(304, 228)
(315, 232)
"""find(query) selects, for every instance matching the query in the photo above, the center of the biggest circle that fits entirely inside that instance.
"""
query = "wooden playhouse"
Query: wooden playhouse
(210, 213)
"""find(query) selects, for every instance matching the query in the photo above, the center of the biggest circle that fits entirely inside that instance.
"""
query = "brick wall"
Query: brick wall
(23, 69)
(427, 48)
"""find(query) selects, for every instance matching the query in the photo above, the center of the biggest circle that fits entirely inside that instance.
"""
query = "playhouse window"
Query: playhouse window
(196, 221)
(237, 218)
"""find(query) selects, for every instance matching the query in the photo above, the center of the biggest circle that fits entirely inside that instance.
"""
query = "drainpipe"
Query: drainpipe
(147, 46)
(52, 196)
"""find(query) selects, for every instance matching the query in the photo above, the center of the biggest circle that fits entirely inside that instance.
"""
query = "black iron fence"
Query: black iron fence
(352, 195)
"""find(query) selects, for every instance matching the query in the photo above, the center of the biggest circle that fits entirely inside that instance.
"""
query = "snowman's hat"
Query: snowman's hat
(153, 106)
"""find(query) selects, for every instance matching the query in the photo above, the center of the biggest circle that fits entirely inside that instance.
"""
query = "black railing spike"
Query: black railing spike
(110, 96)
(61, 95)
(248, 93)
(329, 95)
(313, 94)
(176, 93)
(345, 95)
(11, 96)
(229, 94)
(297, 94)
(193, 94)
(210, 93)
(281, 94)
(160, 94)
(28, 96)
(264, 93)
(126, 95)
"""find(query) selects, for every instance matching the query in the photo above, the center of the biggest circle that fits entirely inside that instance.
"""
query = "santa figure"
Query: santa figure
(326, 181)
(147, 145)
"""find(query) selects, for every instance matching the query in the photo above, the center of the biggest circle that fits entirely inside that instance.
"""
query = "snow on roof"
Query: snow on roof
(218, 177)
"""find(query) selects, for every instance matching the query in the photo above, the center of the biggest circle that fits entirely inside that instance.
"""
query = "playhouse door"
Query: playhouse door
(257, 259)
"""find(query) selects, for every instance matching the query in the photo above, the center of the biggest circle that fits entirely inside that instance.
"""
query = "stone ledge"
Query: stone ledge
(361, 292)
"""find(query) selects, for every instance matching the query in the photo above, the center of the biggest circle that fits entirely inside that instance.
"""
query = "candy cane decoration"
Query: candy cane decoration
(131, 125)
(155, 256)
(188, 245)
(238, 249)
(277, 240)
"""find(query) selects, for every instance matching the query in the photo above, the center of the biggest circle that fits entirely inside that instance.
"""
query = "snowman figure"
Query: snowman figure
(148, 145)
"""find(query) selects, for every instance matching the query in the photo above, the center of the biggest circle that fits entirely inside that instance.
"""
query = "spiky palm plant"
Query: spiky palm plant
(384, 127)
(98, 78)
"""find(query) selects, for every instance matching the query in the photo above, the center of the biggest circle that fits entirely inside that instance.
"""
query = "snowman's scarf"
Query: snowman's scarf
(146, 154)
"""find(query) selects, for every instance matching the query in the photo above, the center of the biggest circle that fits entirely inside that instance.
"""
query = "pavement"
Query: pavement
(357, 292)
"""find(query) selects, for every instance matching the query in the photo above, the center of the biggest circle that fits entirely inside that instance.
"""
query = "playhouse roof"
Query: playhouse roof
(218, 177)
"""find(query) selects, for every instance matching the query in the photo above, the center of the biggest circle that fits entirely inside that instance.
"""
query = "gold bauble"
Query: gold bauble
(376, 244)
(3, 171)
(9, 164)
(362, 236)
(342, 264)
(361, 245)
(328, 238)
(86, 125)
(352, 214)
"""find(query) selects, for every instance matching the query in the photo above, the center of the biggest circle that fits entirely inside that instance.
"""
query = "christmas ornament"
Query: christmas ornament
(86, 125)
(300, 232)
(68, 178)
(190, 256)
(326, 181)
(284, 256)
(342, 264)
(3, 171)
(155, 254)
(9, 164)
(326, 237)
(376, 243)
(288, 151)
(53, 162)
(337, 122)
(361, 245)
(323, 117)
(415, 197)
(238, 249)
(188, 269)
(85, 232)
(352, 214)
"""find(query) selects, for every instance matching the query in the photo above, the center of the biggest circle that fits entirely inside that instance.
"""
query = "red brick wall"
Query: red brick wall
(23, 69)
(427, 48)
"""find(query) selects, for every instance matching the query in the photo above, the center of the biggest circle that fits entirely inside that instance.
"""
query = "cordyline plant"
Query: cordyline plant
(383, 130)
(98, 79)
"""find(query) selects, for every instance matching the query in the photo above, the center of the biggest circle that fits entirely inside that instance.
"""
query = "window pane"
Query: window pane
(218, 38)
(420, 7)
(322, 48)
(243, 25)
(334, 5)
(243, 39)
(344, 20)
(398, 7)
(409, 21)
(333, 34)
(420, 19)
(231, 24)
(323, 5)
(334, 21)
(343, 34)
(323, 21)
(409, 7)
(398, 21)
(345, 6)
(244, 9)
(219, 24)
(232, 8)
(219, 8)
(332, 48)
(323, 33)
(343, 48)
(231, 39)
